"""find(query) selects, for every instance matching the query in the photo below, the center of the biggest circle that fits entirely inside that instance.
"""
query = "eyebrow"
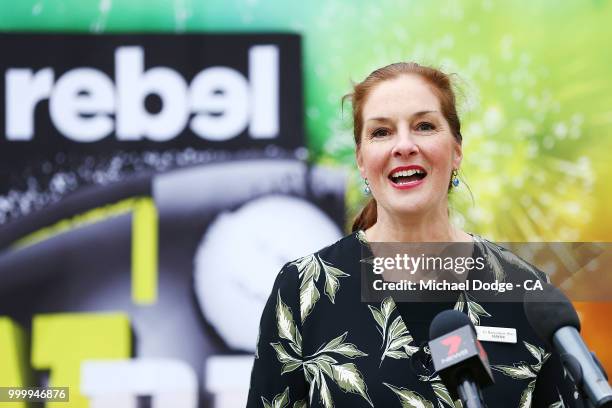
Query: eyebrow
(414, 115)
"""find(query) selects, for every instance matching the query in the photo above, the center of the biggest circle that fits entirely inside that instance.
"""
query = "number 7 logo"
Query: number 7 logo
(452, 342)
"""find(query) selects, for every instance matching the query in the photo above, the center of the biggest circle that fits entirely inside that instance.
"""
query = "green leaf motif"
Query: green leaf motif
(284, 321)
(362, 237)
(325, 366)
(490, 252)
(349, 379)
(289, 363)
(525, 401)
(539, 353)
(346, 376)
(337, 345)
(307, 267)
(300, 404)
(280, 400)
(524, 371)
(326, 398)
(332, 283)
(395, 336)
(266, 403)
(309, 295)
(409, 399)
(442, 394)
(312, 374)
(520, 372)
(495, 252)
(378, 317)
(309, 270)
(474, 310)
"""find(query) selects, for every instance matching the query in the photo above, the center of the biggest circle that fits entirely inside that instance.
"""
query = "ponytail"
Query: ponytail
(366, 218)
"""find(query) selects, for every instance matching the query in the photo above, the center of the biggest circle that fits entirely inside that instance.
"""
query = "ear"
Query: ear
(360, 166)
(457, 155)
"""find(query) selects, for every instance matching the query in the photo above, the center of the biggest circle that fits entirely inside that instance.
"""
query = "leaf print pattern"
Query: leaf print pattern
(309, 270)
(319, 364)
(474, 310)
(520, 372)
(287, 330)
(395, 336)
(441, 392)
(443, 395)
(524, 371)
(289, 363)
(410, 399)
(286, 327)
(332, 368)
(525, 401)
(332, 283)
(362, 237)
(493, 253)
(280, 401)
(346, 376)
(337, 345)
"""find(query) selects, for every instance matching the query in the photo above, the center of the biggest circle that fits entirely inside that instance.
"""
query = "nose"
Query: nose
(405, 144)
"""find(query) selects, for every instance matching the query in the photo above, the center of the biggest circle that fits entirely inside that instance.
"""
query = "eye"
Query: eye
(380, 132)
(425, 127)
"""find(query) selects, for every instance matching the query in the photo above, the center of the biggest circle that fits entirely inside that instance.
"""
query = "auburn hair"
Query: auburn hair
(441, 86)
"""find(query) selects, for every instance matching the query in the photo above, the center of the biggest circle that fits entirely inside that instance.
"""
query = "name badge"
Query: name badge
(496, 334)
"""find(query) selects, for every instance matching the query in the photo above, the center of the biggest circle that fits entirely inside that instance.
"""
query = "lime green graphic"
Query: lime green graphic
(144, 252)
(61, 342)
(144, 240)
(15, 370)
(87, 218)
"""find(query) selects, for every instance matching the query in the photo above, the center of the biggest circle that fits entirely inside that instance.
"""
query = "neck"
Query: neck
(433, 226)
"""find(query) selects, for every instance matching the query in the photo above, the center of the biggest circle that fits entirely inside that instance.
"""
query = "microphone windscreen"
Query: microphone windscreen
(447, 321)
(548, 310)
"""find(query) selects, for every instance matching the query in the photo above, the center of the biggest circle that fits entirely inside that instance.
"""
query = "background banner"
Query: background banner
(160, 160)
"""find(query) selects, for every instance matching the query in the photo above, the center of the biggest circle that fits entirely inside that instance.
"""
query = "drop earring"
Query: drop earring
(366, 188)
(455, 178)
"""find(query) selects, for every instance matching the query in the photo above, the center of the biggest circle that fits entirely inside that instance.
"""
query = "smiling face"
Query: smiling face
(407, 150)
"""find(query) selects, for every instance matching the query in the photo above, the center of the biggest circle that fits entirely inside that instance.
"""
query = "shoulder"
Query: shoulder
(346, 248)
(504, 262)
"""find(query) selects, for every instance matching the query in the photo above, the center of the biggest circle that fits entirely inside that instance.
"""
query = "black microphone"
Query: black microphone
(555, 321)
(459, 358)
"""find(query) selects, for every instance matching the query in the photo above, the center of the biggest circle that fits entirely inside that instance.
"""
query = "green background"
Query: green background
(532, 79)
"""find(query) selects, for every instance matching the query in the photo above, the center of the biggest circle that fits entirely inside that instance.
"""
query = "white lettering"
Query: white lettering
(134, 85)
(80, 103)
(263, 73)
(83, 101)
(220, 96)
(23, 92)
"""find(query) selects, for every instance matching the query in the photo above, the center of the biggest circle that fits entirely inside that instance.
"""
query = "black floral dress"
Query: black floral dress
(321, 346)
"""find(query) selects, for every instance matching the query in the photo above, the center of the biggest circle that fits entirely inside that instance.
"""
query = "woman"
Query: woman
(320, 346)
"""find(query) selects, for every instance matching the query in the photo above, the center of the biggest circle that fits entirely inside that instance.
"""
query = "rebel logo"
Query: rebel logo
(83, 101)
(202, 89)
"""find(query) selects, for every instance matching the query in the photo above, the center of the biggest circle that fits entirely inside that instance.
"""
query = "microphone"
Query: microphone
(555, 321)
(459, 358)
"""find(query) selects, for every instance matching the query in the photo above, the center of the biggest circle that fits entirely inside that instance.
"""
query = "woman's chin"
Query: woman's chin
(414, 209)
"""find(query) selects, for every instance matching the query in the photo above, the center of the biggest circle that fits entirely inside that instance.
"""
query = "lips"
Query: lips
(405, 177)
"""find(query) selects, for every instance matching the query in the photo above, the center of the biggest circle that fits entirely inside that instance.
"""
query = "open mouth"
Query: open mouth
(407, 176)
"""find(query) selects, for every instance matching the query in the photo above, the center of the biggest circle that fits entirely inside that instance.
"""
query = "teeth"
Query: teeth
(407, 173)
